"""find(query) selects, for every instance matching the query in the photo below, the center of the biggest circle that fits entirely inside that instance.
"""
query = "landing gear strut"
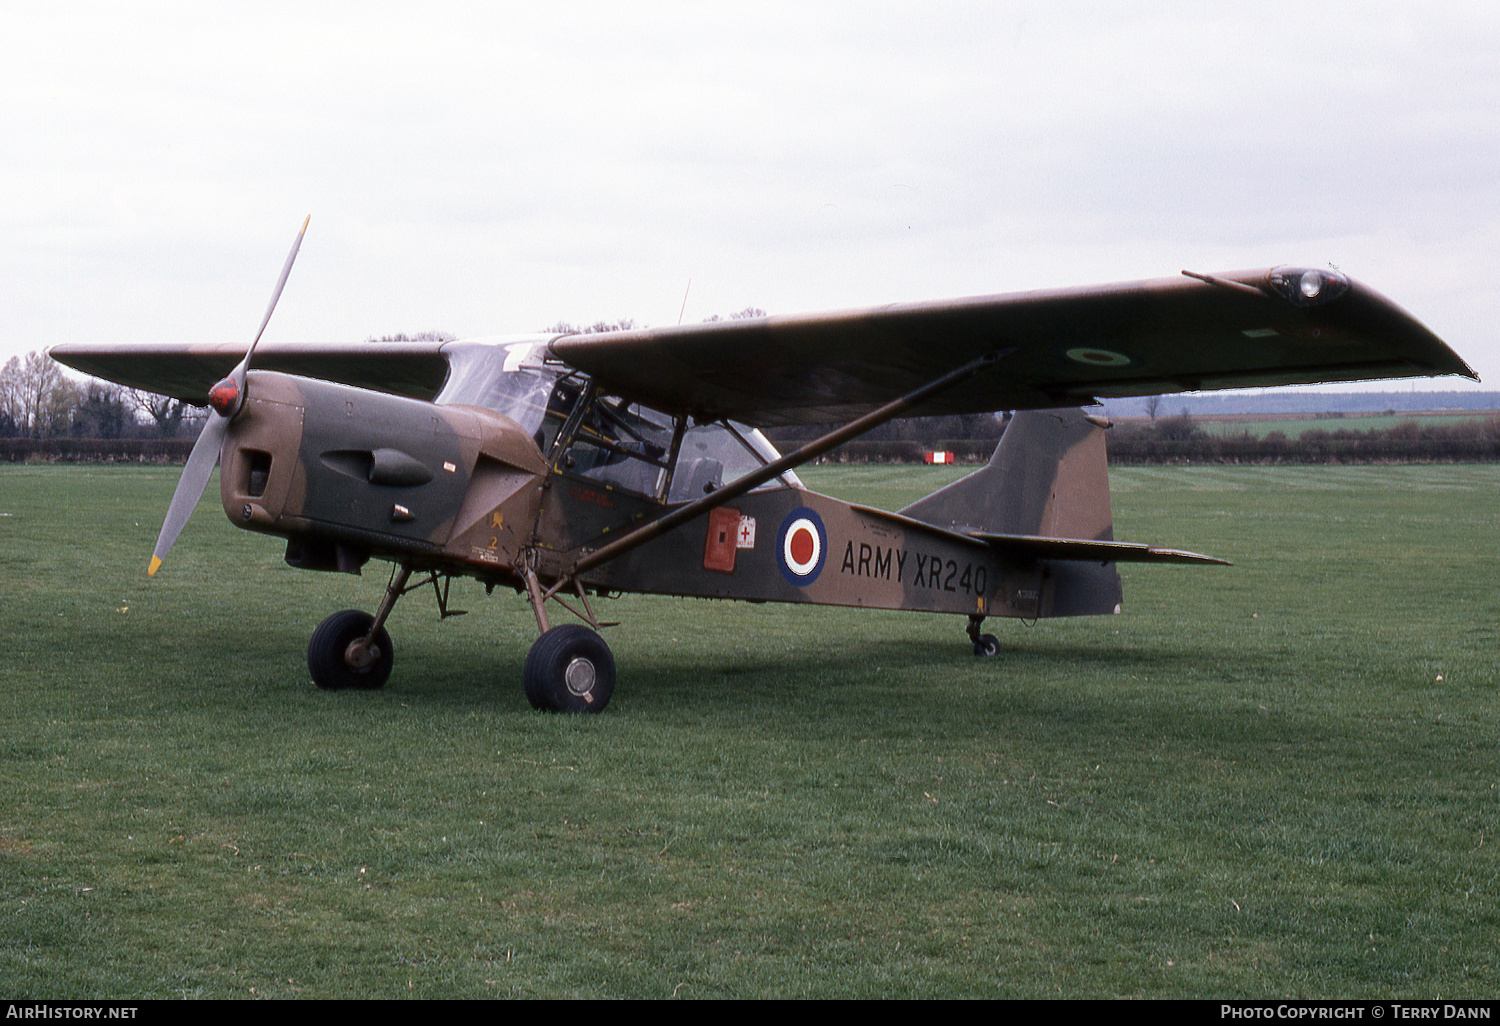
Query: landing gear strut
(986, 646)
(351, 649)
(570, 668)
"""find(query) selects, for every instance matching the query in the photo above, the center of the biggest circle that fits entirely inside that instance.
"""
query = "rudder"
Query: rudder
(1048, 477)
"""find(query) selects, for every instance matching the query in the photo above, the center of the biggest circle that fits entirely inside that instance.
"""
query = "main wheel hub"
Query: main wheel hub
(359, 656)
(579, 676)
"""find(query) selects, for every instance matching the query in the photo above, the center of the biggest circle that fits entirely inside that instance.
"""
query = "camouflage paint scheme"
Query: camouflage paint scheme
(926, 557)
(373, 473)
(629, 461)
(346, 473)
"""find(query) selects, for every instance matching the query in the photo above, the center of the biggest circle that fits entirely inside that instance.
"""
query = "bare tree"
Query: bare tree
(744, 315)
(36, 398)
(421, 336)
(101, 411)
(162, 410)
(598, 327)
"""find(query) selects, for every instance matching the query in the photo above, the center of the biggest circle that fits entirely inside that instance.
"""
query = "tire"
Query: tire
(327, 650)
(986, 646)
(570, 669)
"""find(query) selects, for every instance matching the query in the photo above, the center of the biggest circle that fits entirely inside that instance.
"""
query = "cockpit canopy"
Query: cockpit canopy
(581, 431)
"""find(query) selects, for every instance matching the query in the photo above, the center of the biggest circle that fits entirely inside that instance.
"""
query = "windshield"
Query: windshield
(508, 377)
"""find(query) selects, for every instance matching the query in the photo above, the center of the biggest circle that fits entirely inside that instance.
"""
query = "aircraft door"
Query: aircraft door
(610, 463)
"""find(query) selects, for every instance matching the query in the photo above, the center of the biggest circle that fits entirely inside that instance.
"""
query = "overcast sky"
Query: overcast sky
(485, 168)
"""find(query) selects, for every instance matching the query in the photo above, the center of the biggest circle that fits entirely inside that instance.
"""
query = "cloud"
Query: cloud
(494, 167)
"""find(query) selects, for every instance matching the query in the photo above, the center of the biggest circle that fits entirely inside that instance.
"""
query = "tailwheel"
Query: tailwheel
(339, 657)
(986, 646)
(570, 669)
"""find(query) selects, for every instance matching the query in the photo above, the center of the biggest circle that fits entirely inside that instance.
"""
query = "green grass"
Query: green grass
(1295, 427)
(1279, 778)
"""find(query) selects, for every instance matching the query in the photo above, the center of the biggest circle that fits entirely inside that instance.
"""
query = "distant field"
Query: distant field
(1280, 778)
(1293, 426)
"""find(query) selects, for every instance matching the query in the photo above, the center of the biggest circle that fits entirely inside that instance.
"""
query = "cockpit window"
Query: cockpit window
(713, 455)
(624, 445)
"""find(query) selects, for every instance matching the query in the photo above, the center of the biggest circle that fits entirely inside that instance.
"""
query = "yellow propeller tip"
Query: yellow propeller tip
(155, 566)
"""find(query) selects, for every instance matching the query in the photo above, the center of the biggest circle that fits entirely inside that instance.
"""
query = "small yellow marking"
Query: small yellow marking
(155, 566)
(496, 520)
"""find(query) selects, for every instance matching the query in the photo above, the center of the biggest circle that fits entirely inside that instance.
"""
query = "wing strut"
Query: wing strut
(810, 451)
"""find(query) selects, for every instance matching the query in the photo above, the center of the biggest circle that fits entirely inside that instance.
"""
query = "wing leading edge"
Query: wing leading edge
(1063, 347)
(187, 371)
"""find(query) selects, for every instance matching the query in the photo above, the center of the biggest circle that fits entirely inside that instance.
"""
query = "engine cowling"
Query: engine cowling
(347, 473)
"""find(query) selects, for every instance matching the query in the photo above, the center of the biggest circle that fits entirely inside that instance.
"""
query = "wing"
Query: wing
(188, 371)
(1063, 347)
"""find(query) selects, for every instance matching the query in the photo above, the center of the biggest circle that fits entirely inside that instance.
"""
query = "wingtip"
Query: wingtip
(155, 566)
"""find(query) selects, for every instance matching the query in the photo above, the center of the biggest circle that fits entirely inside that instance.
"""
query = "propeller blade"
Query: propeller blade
(200, 467)
(239, 372)
(225, 398)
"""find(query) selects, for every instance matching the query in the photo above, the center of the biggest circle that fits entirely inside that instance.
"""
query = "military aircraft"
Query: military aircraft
(631, 461)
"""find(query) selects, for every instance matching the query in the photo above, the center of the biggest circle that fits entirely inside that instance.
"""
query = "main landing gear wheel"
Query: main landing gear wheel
(337, 660)
(570, 669)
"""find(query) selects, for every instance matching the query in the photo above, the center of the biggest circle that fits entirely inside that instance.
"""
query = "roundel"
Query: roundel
(1092, 357)
(801, 547)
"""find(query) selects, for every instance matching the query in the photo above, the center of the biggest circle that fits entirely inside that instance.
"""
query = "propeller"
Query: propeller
(226, 398)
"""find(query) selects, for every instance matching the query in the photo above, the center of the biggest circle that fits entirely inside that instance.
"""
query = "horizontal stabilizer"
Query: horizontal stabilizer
(1086, 550)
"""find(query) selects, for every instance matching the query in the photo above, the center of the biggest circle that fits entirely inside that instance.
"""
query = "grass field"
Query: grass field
(1275, 779)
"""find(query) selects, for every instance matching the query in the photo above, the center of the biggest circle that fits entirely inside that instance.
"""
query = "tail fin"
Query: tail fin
(1047, 478)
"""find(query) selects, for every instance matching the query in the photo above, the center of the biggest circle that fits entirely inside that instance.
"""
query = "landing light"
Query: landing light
(1308, 287)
